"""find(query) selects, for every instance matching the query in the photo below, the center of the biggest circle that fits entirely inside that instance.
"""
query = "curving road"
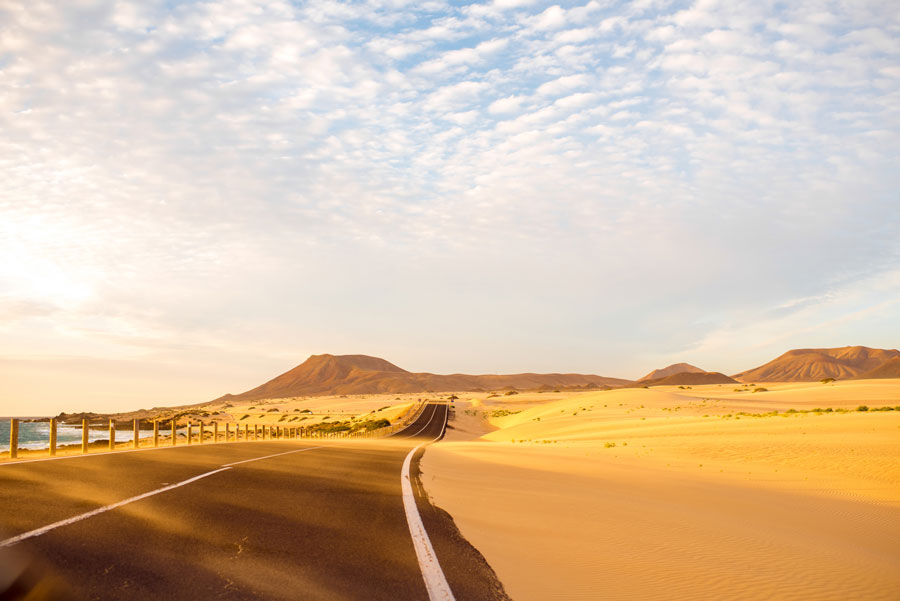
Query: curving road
(261, 520)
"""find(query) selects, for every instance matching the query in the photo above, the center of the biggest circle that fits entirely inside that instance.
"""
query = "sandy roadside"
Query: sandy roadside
(673, 494)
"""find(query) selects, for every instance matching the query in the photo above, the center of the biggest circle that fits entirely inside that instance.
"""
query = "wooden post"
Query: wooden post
(137, 434)
(155, 433)
(189, 432)
(227, 431)
(13, 438)
(84, 436)
(52, 436)
(216, 432)
(202, 426)
(112, 435)
(246, 432)
(174, 432)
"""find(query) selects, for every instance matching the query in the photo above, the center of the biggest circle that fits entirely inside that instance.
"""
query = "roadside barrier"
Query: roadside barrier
(251, 432)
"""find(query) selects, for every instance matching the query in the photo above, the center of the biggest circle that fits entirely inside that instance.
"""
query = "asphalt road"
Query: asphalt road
(278, 520)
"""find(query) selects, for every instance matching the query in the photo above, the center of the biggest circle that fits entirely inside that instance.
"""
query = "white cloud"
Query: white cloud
(563, 84)
(552, 18)
(219, 172)
(510, 104)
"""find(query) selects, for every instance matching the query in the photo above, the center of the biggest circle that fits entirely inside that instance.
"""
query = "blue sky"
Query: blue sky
(198, 195)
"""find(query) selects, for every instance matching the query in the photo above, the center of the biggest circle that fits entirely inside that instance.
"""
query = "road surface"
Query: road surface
(258, 520)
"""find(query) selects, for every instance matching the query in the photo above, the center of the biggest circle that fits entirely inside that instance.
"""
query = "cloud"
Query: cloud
(220, 172)
(563, 84)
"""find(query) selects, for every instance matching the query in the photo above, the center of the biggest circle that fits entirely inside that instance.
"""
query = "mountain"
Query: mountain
(688, 379)
(361, 374)
(888, 369)
(810, 365)
(675, 368)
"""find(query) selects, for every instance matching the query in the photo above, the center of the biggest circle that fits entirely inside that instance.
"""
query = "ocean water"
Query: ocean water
(36, 435)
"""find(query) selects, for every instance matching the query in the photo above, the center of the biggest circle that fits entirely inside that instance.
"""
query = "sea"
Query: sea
(36, 435)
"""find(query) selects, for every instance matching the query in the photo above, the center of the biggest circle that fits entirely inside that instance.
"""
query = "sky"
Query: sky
(196, 196)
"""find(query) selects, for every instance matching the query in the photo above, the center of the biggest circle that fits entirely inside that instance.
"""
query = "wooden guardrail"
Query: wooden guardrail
(250, 432)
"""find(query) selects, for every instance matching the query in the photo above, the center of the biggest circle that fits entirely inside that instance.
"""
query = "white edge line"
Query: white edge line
(43, 530)
(435, 581)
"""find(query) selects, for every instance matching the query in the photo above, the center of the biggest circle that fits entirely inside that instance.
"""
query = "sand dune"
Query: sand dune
(666, 493)
(807, 365)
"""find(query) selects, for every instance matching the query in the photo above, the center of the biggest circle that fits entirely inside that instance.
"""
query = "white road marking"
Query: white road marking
(39, 531)
(268, 456)
(428, 423)
(435, 581)
(44, 529)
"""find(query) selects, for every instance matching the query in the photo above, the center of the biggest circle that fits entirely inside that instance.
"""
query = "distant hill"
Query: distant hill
(810, 365)
(675, 368)
(689, 379)
(361, 374)
(888, 369)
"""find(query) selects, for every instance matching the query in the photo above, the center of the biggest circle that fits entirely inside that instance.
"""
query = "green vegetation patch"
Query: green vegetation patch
(503, 412)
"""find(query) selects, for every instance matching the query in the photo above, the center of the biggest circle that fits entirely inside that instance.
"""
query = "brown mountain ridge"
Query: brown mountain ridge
(692, 378)
(810, 365)
(675, 368)
(362, 374)
(888, 369)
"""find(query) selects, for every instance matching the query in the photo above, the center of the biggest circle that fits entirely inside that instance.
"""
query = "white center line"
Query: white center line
(44, 529)
(39, 531)
(268, 456)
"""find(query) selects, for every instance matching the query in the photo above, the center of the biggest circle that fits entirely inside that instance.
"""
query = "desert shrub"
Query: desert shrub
(273, 410)
(502, 412)
(511, 392)
(760, 389)
(827, 380)
(375, 424)
(245, 416)
(862, 408)
(609, 445)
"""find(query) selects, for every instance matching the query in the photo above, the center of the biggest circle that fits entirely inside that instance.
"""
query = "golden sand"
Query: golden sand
(668, 493)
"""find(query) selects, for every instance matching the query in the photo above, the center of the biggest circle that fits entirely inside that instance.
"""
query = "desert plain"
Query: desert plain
(693, 492)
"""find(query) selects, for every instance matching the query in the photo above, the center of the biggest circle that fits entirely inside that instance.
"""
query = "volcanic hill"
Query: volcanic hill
(361, 374)
(675, 368)
(888, 369)
(810, 365)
